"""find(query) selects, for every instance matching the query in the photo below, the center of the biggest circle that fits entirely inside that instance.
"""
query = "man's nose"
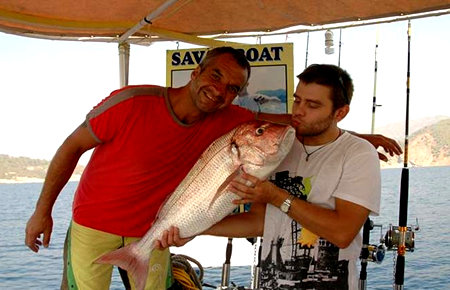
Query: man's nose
(298, 109)
(221, 88)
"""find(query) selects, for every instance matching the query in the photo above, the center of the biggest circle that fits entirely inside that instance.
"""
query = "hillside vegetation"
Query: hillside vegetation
(22, 169)
(429, 146)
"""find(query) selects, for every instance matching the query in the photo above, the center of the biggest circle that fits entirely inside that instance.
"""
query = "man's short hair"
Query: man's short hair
(332, 76)
(237, 54)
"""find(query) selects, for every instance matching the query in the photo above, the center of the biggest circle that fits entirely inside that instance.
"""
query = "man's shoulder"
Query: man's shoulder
(125, 96)
(355, 144)
(353, 139)
(140, 90)
(235, 111)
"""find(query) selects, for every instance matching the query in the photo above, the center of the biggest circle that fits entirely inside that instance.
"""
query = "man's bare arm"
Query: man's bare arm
(243, 225)
(389, 145)
(59, 172)
(284, 119)
(339, 225)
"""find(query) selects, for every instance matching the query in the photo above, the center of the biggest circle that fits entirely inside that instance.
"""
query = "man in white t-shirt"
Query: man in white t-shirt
(311, 211)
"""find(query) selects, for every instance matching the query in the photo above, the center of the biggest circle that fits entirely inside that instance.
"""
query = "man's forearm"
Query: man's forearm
(284, 119)
(338, 226)
(243, 225)
(59, 172)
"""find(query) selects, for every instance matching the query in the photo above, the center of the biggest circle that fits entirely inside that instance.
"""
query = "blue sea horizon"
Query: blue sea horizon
(428, 267)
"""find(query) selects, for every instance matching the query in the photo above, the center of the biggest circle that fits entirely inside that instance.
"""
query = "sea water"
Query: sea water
(428, 267)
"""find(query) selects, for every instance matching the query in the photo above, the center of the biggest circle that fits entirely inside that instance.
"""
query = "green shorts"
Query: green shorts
(83, 246)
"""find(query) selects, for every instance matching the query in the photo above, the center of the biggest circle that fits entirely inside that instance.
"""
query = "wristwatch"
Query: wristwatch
(286, 205)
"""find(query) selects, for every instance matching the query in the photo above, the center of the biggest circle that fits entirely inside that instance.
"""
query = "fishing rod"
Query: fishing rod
(404, 186)
(401, 238)
(307, 48)
(227, 266)
(368, 225)
(340, 44)
(374, 99)
(364, 254)
(256, 272)
(369, 252)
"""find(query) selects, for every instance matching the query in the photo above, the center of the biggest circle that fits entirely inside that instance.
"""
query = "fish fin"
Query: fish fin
(224, 185)
(136, 266)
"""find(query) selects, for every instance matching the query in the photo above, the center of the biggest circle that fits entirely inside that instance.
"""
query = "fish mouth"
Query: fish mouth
(284, 143)
(289, 135)
(286, 140)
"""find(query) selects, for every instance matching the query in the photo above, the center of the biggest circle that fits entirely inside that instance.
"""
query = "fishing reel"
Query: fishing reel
(373, 252)
(376, 253)
(393, 236)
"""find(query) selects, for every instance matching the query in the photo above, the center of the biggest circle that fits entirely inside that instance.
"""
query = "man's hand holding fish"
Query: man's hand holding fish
(251, 189)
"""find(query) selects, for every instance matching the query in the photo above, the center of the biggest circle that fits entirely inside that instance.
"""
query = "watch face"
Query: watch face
(284, 207)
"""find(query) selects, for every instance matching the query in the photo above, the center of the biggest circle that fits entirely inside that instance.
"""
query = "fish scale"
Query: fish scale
(218, 165)
(202, 198)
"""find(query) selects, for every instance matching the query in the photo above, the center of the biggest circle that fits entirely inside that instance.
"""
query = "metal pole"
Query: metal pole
(124, 63)
(146, 20)
(404, 189)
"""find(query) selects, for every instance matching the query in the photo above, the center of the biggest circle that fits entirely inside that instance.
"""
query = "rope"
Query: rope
(185, 274)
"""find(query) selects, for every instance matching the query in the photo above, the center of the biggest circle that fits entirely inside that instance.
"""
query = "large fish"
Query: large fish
(202, 198)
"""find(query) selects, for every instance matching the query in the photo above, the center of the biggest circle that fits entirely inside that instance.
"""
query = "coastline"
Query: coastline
(75, 177)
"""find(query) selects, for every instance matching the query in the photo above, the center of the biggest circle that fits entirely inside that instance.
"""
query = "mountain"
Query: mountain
(24, 169)
(397, 130)
(428, 146)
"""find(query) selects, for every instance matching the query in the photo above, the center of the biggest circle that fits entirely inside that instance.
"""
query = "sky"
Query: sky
(49, 86)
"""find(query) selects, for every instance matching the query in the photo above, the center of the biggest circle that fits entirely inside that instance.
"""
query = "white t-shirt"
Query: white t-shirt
(347, 168)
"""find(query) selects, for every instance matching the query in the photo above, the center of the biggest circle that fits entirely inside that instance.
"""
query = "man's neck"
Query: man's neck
(326, 137)
(182, 105)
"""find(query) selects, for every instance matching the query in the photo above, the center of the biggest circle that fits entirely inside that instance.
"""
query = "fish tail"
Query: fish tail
(125, 258)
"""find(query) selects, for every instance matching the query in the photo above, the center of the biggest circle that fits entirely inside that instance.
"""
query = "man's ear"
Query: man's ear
(195, 72)
(341, 113)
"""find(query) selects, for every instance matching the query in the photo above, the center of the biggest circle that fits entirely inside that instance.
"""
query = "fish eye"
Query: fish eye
(259, 131)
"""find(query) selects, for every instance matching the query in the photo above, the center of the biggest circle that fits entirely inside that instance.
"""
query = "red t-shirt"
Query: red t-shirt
(145, 152)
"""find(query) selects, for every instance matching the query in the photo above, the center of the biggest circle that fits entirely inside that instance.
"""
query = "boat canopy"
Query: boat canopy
(145, 21)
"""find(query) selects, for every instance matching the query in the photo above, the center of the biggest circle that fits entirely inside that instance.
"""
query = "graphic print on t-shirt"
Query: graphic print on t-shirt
(292, 264)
